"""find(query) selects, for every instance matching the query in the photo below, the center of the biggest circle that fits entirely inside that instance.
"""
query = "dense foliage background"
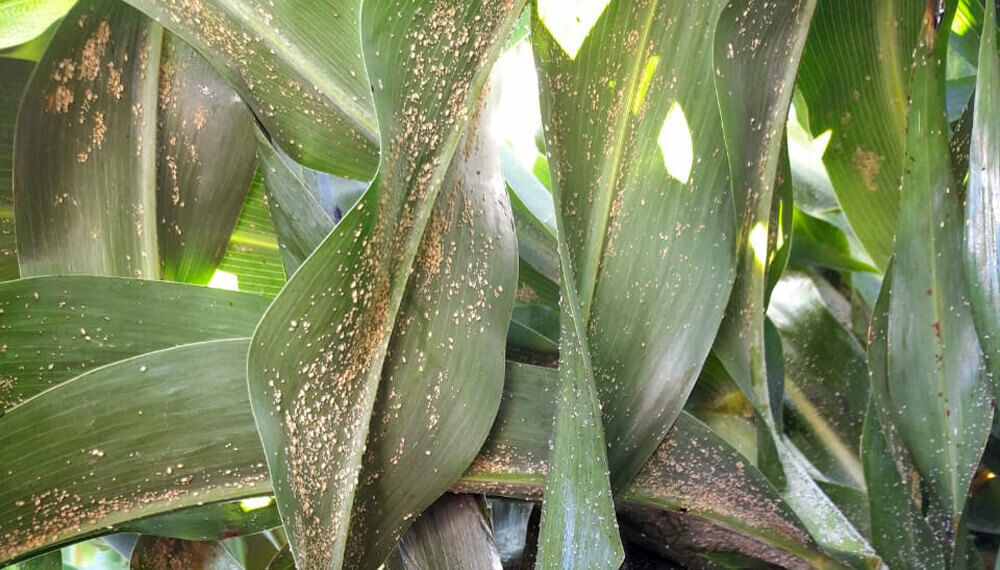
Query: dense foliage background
(556, 284)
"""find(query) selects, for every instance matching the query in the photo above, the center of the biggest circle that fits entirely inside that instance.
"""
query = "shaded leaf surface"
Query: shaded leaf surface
(205, 163)
(854, 76)
(452, 534)
(513, 461)
(297, 64)
(935, 392)
(157, 553)
(15, 75)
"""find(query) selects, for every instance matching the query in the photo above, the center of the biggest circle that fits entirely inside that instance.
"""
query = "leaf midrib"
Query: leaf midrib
(593, 261)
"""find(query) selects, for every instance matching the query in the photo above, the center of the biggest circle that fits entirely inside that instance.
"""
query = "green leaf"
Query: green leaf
(305, 205)
(54, 328)
(826, 376)
(48, 561)
(854, 76)
(252, 255)
(452, 534)
(205, 163)
(982, 203)
(760, 46)
(372, 331)
(159, 438)
(967, 29)
(299, 67)
(32, 50)
(157, 553)
(22, 20)
(513, 461)
(283, 560)
(15, 74)
(640, 190)
(211, 522)
(899, 532)
(935, 392)
(816, 242)
(85, 148)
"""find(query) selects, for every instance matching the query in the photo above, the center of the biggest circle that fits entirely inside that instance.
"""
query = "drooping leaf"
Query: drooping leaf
(935, 394)
(982, 202)
(854, 77)
(22, 20)
(452, 534)
(512, 463)
(54, 328)
(15, 75)
(252, 255)
(756, 40)
(85, 148)
(713, 482)
(205, 163)
(157, 553)
(639, 179)
(160, 438)
(359, 381)
(826, 376)
(299, 67)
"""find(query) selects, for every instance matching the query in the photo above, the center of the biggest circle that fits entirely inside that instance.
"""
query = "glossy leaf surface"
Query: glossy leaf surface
(55, 328)
(452, 534)
(159, 439)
